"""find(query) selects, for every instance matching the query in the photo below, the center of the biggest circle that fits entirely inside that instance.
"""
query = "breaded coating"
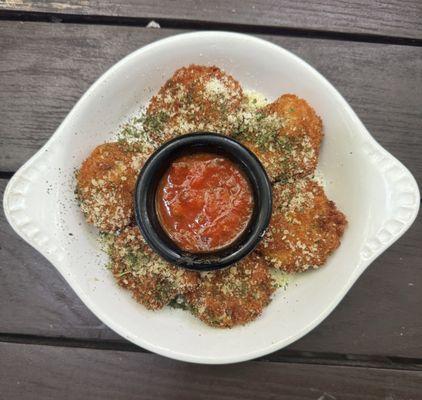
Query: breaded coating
(105, 184)
(299, 118)
(285, 135)
(152, 281)
(232, 296)
(305, 227)
(195, 98)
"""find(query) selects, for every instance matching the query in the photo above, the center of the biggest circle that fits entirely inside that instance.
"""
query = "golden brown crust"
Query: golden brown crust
(304, 127)
(152, 281)
(299, 118)
(233, 296)
(271, 159)
(305, 227)
(195, 98)
(286, 136)
(105, 184)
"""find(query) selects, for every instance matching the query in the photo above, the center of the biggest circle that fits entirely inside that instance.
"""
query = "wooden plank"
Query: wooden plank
(48, 372)
(379, 17)
(380, 315)
(46, 67)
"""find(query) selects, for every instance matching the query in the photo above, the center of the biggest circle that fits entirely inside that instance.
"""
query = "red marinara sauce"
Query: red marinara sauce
(204, 202)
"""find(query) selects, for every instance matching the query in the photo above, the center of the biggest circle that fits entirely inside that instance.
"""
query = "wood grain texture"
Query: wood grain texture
(45, 68)
(379, 17)
(380, 315)
(47, 372)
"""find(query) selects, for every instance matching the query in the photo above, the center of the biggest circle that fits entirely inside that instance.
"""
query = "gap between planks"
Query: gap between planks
(6, 174)
(286, 356)
(188, 24)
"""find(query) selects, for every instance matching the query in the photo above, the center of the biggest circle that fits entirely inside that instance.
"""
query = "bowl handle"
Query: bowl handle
(402, 195)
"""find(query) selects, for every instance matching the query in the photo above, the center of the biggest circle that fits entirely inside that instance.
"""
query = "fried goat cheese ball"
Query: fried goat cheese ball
(195, 98)
(305, 227)
(285, 135)
(233, 296)
(106, 182)
(152, 281)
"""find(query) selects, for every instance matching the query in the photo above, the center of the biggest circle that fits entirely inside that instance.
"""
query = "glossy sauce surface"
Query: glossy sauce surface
(204, 202)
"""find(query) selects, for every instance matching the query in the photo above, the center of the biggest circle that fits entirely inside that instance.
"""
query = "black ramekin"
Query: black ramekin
(157, 165)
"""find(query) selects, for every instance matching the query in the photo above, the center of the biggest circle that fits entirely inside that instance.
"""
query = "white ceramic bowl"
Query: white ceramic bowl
(376, 192)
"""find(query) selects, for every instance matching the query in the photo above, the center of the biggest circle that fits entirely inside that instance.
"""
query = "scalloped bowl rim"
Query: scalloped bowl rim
(20, 176)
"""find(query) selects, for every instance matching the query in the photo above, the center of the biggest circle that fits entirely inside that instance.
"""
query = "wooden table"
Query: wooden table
(52, 347)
